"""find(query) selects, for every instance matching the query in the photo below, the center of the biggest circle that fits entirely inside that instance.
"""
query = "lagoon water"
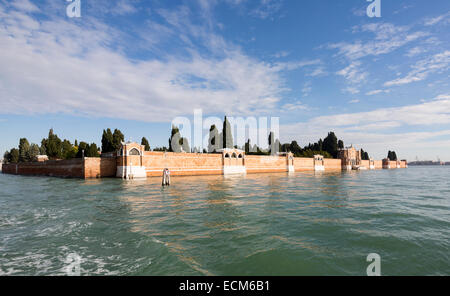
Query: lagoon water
(264, 224)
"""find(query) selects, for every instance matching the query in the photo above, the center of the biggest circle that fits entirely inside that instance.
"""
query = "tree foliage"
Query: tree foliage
(392, 156)
(145, 143)
(227, 134)
(107, 141)
(24, 150)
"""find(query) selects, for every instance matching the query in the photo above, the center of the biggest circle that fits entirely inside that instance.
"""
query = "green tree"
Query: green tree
(364, 155)
(295, 148)
(118, 138)
(340, 144)
(107, 141)
(82, 148)
(13, 156)
(68, 150)
(274, 144)
(42, 150)
(392, 155)
(330, 144)
(175, 140)
(185, 145)
(53, 145)
(227, 134)
(24, 150)
(6, 157)
(213, 141)
(34, 152)
(145, 142)
(92, 150)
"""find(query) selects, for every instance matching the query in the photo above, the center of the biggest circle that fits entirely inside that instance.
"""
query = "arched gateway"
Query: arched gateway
(130, 162)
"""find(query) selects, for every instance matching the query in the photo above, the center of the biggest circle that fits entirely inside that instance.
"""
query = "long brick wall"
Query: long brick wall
(99, 167)
(179, 164)
(53, 168)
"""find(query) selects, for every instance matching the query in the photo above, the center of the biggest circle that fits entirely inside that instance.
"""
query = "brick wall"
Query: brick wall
(303, 164)
(72, 168)
(332, 164)
(265, 164)
(99, 167)
(178, 163)
(378, 164)
(182, 164)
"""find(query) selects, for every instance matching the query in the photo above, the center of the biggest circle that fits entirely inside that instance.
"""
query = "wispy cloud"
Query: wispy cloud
(423, 68)
(377, 91)
(92, 78)
(267, 8)
(444, 18)
(354, 75)
(388, 38)
(368, 129)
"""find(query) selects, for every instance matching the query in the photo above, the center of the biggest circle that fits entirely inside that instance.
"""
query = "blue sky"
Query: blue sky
(379, 83)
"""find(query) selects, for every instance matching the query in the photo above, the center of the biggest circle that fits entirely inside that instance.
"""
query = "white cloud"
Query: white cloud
(377, 91)
(353, 73)
(267, 8)
(355, 101)
(388, 38)
(368, 129)
(441, 18)
(69, 69)
(296, 106)
(306, 90)
(415, 51)
(423, 68)
(24, 5)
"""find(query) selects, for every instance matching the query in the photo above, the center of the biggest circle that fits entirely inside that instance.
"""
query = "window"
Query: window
(134, 151)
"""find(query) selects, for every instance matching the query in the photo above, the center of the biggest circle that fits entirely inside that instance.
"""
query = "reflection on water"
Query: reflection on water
(259, 224)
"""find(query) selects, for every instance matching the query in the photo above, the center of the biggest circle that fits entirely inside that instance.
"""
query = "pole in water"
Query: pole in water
(166, 178)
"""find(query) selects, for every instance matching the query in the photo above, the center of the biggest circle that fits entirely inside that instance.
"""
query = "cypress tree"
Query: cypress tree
(34, 152)
(117, 140)
(14, 156)
(175, 140)
(227, 135)
(213, 141)
(24, 150)
(107, 141)
(330, 144)
(144, 142)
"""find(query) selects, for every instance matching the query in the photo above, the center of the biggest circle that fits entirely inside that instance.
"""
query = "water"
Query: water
(265, 224)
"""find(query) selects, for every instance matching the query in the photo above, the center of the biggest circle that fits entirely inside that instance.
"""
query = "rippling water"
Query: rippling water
(265, 224)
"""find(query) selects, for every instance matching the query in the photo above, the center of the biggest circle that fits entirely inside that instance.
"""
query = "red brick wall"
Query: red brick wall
(332, 164)
(365, 163)
(265, 164)
(182, 164)
(378, 164)
(72, 168)
(99, 167)
(303, 164)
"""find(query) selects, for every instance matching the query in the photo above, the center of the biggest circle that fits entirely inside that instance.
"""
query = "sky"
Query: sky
(379, 83)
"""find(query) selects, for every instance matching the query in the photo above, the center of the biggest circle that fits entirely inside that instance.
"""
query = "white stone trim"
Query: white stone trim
(319, 168)
(234, 169)
(131, 172)
(290, 168)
